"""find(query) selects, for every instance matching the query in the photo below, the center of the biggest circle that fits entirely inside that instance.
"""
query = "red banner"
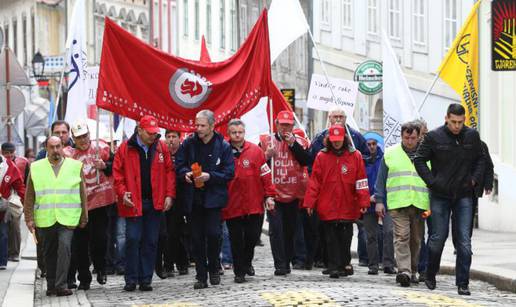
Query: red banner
(136, 79)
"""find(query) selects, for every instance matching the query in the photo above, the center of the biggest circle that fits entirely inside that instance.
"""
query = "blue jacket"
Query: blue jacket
(221, 169)
(372, 167)
(318, 144)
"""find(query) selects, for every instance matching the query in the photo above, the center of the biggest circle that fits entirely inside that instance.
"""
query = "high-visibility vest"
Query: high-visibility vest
(404, 186)
(58, 199)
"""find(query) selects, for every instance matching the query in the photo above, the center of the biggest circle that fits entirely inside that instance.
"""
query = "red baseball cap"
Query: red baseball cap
(149, 123)
(285, 117)
(337, 133)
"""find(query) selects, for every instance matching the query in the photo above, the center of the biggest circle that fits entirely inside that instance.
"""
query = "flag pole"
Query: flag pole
(98, 142)
(271, 141)
(328, 80)
(428, 91)
(111, 125)
(59, 89)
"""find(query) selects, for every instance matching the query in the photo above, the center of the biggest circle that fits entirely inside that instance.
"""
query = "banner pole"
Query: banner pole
(112, 143)
(328, 80)
(98, 142)
(59, 90)
(428, 91)
(271, 141)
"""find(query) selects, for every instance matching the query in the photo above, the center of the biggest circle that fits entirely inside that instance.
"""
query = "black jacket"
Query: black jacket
(456, 160)
(486, 182)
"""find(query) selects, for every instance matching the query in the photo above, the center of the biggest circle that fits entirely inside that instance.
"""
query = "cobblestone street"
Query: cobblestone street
(301, 288)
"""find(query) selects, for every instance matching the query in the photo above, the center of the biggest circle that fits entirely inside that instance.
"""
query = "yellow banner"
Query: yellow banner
(460, 66)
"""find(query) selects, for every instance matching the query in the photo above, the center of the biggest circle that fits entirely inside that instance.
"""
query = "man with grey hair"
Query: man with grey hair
(205, 192)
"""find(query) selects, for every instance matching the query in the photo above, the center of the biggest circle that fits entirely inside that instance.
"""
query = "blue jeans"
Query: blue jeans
(226, 256)
(3, 243)
(119, 261)
(461, 211)
(141, 245)
(362, 243)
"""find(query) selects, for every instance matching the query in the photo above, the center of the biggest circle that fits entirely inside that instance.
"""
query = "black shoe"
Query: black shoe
(101, 278)
(348, 271)
(334, 274)
(145, 287)
(110, 271)
(422, 276)
(326, 271)
(214, 279)
(170, 273)
(161, 274)
(120, 271)
(43, 274)
(83, 286)
(362, 263)
(430, 283)
(183, 271)
(298, 266)
(250, 271)
(63, 292)
(288, 271)
(221, 271)
(240, 279)
(403, 279)
(260, 243)
(309, 266)
(463, 290)
(280, 272)
(372, 271)
(72, 285)
(319, 264)
(130, 287)
(200, 285)
(389, 270)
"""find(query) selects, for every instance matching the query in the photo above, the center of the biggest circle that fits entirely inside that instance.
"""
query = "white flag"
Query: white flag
(77, 61)
(398, 103)
(287, 22)
(256, 122)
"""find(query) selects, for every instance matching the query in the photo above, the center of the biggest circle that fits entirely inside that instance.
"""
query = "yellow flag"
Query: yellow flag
(460, 66)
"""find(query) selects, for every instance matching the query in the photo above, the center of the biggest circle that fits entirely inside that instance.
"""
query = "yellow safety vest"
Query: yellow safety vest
(404, 186)
(58, 199)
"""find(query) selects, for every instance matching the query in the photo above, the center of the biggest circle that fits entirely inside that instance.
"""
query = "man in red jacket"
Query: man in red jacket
(145, 186)
(10, 179)
(251, 186)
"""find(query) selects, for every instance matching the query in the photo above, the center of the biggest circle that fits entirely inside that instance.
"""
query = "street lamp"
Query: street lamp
(38, 66)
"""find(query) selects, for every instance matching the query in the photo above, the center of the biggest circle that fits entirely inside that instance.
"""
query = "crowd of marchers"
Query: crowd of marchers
(149, 205)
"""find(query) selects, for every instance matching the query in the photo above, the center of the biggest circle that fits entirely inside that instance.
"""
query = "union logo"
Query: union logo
(463, 49)
(344, 169)
(188, 88)
(246, 163)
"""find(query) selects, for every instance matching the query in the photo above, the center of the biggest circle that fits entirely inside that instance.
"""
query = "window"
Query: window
(222, 25)
(208, 21)
(99, 24)
(372, 17)
(301, 58)
(196, 25)
(395, 19)
(346, 15)
(15, 37)
(234, 30)
(24, 32)
(450, 22)
(185, 18)
(6, 35)
(325, 14)
(33, 32)
(420, 30)
(243, 22)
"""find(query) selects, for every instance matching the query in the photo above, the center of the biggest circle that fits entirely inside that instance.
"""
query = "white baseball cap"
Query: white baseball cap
(80, 128)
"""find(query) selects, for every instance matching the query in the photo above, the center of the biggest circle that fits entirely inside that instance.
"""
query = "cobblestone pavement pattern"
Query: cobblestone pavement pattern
(301, 288)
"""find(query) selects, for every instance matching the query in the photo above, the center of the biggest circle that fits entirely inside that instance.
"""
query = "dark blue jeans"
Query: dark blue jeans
(141, 245)
(282, 229)
(362, 243)
(461, 211)
(3, 243)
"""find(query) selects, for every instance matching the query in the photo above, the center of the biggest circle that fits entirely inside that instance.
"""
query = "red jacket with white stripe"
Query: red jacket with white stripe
(251, 184)
(338, 186)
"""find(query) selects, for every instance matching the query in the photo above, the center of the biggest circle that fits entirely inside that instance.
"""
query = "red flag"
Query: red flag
(205, 54)
(136, 79)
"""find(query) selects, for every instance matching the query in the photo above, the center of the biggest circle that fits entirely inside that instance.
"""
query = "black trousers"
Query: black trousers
(338, 235)
(244, 233)
(311, 235)
(206, 233)
(90, 241)
(282, 229)
(176, 251)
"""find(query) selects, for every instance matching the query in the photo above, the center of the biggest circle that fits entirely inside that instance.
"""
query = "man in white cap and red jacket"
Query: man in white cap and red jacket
(145, 186)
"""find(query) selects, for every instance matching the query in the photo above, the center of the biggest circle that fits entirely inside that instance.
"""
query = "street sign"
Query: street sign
(369, 77)
(290, 96)
(16, 102)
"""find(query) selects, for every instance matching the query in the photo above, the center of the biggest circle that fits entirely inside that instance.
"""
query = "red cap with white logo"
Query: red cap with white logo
(285, 117)
(149, 123)
(337, 133)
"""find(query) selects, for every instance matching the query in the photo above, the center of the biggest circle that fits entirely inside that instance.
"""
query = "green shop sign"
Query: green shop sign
(369, 77)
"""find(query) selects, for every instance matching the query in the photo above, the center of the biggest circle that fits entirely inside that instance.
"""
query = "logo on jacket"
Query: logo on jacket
(245, 163)
(188, 88)
(7, 178)
(161, 159)
(344, 169)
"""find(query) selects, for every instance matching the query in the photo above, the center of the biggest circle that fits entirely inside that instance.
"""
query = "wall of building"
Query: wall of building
(497, 126)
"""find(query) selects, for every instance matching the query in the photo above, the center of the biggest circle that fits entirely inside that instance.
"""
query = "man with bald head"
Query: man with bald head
(55, 204)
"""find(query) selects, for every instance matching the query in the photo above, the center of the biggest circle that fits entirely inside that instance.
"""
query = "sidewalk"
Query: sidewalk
(494, 257)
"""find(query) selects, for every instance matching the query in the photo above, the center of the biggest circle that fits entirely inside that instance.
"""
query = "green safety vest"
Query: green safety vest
(58, 199)
(404, 186)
